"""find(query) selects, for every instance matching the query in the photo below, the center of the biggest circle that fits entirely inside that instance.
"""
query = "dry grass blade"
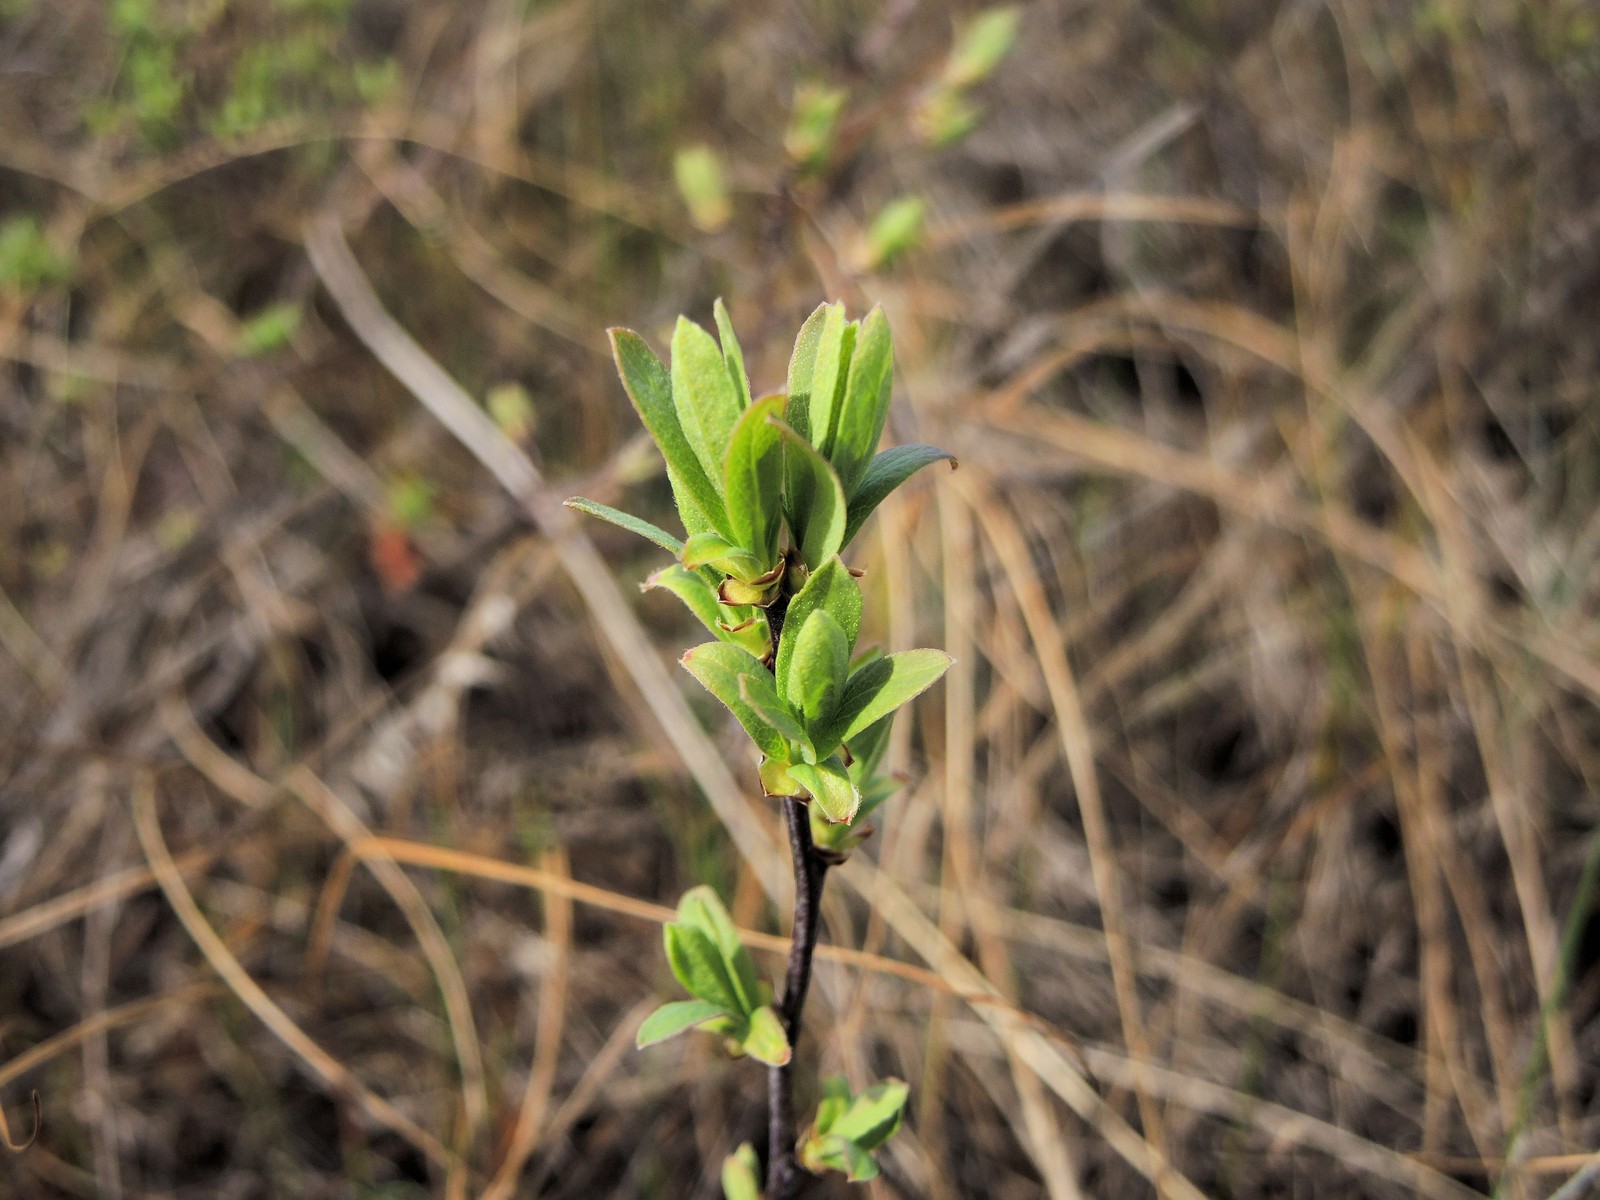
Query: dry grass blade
(322, 1065)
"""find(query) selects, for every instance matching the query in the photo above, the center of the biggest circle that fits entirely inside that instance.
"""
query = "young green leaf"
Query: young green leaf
(834, 349)
(982, 46)
(879, 688)
(873, 1116)
(738, 626)
(649, 386)
(698, 965)
(741, 1172)
(834, 1100)
(702, 908)
(887, 471)
(814, 500)
(831, 789)
(802, 365)
(753, 479)
(765, 1040)
(720, 668)
(732, 355)
(819, 669)
(767, 706)
(866, 401)
(704, 396)
(830, 587)
(672, 1019)
(629, 522)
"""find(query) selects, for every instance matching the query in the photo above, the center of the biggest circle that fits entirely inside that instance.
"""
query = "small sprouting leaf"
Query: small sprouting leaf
(713, 548)
(809, 139)
(981, 47)
(819, 669)
(672, 1019)
(896, 229)
(815, 503)
(649, 386)
(720, 667)
(831, 789)
(753, 478)
(765, 1040)
(834, 1100)
(802, 365)
(873, 1116)
(835, 345)
(697, 963)
(879, 688)
(732, 355)
(830, 587)
(769, 708)
(865, 407)
(741, 1172)
(698, 173)
(703, 908)
(268, 329)
(776, 780)
(629, 522)
(704, 396)
(887, 471)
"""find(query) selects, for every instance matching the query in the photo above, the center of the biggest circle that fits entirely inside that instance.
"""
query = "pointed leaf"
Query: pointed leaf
(828, 377)
(770, 708)
(765, 1040)
(819, 669)
(741, 1175)
(879, 688)
(830, 587)
(720, 667)
(802, 364)
(814, 499)
(627, 521)
(702, 908)
(831, 789)
(704, 397)
(857, 1165)
(753, 479)
(887, 471)
(649, 386)
(737, 625)
(697, 963)
(874, 1115)
(732, 355)
(672, 1019)
(866, 401)
(831, 1106)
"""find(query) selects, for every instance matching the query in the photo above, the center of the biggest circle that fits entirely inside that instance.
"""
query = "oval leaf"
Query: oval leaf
(720, 668)
(879, 688)
(802, 365)
(831, 789)
(697, 963)
(865, 406)
(703, 395)
(814, 499)
(830, 587)
(672, 1019)
(753, 479)
(819, 669)
(887, 471)
(765, 1040)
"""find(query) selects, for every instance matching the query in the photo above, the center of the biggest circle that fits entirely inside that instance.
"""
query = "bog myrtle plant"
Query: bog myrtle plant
(771, 491)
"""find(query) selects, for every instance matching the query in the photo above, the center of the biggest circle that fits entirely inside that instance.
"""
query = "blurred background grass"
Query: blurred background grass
(1251, 848)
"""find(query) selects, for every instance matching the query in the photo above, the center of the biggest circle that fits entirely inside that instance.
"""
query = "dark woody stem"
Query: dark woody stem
(785, 1176)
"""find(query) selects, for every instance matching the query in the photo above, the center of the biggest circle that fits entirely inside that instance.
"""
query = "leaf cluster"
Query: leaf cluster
(709, 960)
(848, 1128)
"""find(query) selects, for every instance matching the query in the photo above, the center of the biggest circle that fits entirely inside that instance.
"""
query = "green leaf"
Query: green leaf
(835, 345)
(819, 669)
(672, 1019)
(704, 396)
(269, 329)
(717, 551)
(982, 46)
(874, 1115)
(702, 908)
(867, 748)
(719, 667)
(831, 789)
(741, 1175)
(698, 173)
(737, 625)
(753, 479)
(857, 1165)
(765, 1040)
(830, 587)
(732, 355)
(814, 499)
(629, 522)
(879, 688)
(833, 1102)
(649, 386)
(802, 365)
(697, 963)
(866, 401)
(887, 471)
(770, 708)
